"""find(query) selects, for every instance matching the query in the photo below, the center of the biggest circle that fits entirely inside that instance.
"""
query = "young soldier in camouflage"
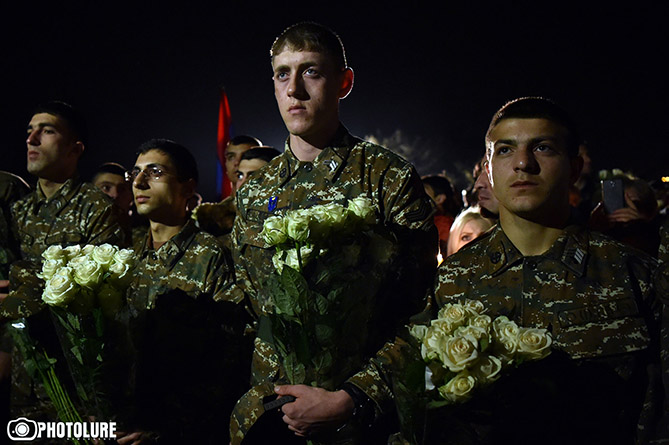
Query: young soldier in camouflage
(183, 324)
(324, 163)
(601, 301)
(62, 210)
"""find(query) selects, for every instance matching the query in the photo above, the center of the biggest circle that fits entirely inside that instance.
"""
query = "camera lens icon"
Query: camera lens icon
(22, 429)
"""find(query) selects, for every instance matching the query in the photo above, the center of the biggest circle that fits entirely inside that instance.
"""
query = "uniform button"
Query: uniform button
(308, 167)
(495, 257)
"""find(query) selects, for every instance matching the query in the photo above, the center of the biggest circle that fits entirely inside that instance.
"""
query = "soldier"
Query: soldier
(188, 373)
(600, 300)
(252, 160)
(323, 163)
(62, 210)
(233, 155)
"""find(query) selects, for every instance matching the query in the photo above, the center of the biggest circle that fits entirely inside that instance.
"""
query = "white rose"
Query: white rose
(49, 268)
(77, 261)
(487, 369)
(292, 261)
(104, 254)
(120, 273)
(277, 260)
(474, 305)
(54, 253)
(459, 352)
(505, 338)
(459, 388)
(418, 331)
(434, 342)
(534, 343)
(477, 332)
(125, 256)
(454, 313)
(72, 251)
(60, 290)
(362, 208)
(335, 213)
(297, 225)
(481, 321)
(88, 249)
(88, 273)
(274, 231)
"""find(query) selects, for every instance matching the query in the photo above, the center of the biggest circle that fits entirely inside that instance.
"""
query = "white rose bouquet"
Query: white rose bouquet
(84, 289)
(329, 261)
(465, 349)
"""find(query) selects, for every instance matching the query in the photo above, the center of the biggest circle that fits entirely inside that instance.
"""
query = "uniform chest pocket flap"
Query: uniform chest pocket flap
(599, 330)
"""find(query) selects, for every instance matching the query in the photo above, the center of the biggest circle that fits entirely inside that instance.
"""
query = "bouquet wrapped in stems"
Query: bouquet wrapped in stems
(84, 290)
(330, 261)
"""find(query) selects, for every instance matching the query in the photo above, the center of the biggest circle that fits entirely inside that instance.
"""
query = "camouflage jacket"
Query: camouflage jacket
(346, 169)
(601, 300)
(192, 261)
(12, 188)
(184, 316)
(663, 250)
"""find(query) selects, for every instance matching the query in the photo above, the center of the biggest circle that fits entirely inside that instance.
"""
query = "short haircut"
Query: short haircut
(264, 153)
(71, 116)
(244, 139)
(109, 167)
(181, 157)
(442, 186)
(310, 36)
(538, 108)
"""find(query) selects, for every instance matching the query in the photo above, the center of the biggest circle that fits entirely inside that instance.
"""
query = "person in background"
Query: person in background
(445, 199)
(233, 154)
(253, 160)
(468, 226)
(485, 198)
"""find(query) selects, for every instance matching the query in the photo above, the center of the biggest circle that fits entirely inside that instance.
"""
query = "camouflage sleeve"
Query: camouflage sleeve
(662, 289)
(221, 279)
(242, 278)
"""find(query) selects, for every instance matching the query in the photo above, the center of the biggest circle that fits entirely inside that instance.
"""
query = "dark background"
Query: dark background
(429, 76)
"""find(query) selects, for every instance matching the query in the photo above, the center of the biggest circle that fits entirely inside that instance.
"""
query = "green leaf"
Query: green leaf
(321, 302)
(77, 354)
(324, 334)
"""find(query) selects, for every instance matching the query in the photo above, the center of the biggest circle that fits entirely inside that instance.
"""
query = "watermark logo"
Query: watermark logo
(23, 430)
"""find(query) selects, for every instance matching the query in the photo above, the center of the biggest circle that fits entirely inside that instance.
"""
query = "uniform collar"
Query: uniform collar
(570, 250)
(170, 252)
(62, 196)
(330, 161)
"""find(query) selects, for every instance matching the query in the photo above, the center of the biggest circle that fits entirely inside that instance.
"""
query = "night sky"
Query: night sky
(437, 76)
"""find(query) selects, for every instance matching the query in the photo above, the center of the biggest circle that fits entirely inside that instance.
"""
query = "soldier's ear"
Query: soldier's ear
(346, 82)
(188, 188)
(78, 148)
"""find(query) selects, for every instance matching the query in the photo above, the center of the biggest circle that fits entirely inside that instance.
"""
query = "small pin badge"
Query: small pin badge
(272, 203)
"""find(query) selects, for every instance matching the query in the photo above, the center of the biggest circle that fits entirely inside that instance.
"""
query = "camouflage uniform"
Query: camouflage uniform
(663, 250)
(599, 298)
(12, 188)
(184, 316)
(78, 213)
(346, 169)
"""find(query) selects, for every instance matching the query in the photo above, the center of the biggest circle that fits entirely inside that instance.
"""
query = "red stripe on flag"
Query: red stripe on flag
(224, 119)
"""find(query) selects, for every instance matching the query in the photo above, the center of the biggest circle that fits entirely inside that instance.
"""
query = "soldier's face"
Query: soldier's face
(246, 167)
(307, 87)
(530, 169)
(52, 149)
(116, 187)
(233, 154)
(162, 199)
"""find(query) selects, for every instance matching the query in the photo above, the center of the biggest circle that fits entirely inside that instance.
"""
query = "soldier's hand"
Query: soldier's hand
(129, 438)
(4, 289)
(314, 409)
